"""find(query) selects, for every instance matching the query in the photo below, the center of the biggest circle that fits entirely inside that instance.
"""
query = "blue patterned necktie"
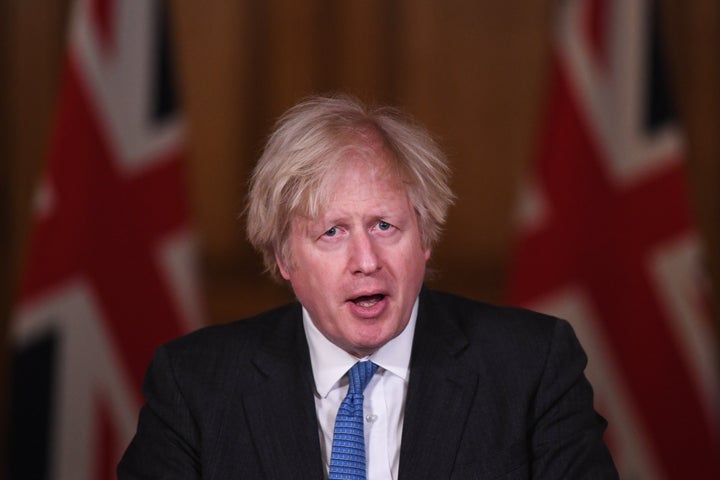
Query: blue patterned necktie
(347, 461)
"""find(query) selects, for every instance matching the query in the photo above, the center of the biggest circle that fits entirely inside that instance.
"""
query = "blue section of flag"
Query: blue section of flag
(31, 409)
(165, 100)
(660, 107)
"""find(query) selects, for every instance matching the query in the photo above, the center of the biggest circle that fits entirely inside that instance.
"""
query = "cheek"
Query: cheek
(315, 272)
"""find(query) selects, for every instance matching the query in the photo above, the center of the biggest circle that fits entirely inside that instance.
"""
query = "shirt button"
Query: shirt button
(371, 418)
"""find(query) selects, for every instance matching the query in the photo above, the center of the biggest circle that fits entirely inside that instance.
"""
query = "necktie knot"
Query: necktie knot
(360, 375)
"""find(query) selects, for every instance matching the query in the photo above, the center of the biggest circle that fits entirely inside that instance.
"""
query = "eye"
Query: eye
(331, 232)
(384, 226)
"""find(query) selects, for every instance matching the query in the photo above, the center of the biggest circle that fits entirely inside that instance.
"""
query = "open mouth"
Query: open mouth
(368, 300)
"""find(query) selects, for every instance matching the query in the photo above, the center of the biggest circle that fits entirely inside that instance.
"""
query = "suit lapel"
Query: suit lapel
(281, 413)
(439, 396)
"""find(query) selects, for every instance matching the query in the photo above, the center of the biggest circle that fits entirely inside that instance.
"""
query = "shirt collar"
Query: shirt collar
(330, 362)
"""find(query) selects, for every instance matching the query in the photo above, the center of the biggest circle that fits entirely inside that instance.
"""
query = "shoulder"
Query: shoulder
(214, 335)
(238, 340)
(495, 329)
(473, 314)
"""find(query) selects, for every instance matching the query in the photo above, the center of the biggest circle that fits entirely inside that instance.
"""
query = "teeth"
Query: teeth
(367, 303)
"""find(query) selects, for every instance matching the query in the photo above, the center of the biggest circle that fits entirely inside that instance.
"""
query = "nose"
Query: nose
(364, 257)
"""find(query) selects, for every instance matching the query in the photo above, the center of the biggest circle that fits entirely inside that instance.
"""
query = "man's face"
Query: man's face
(359, 267)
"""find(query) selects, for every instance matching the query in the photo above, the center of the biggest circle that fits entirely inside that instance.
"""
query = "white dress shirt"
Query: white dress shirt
(384, 404)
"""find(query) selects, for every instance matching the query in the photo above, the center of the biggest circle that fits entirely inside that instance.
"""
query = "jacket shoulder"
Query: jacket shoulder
(467, 313)
(217, 350)
(234, 334)
(491, 330)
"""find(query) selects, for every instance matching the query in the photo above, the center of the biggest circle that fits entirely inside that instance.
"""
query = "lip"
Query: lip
(370, 309)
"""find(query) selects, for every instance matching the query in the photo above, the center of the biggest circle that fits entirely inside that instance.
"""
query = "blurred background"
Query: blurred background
(475, 72)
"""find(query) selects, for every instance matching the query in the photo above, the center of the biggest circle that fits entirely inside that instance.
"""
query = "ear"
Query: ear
(427, 254)
(284, 270)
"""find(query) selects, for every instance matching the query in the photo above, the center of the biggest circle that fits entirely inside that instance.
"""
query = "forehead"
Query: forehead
(358, 170)
(363, 180)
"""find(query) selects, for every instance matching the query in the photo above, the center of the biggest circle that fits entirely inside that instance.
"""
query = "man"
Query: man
(345, 204)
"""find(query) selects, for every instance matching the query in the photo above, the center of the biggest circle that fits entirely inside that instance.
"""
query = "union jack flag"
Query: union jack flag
(607, 241)
(109, 272)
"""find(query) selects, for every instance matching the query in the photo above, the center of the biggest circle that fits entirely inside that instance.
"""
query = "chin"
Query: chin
(370, 345)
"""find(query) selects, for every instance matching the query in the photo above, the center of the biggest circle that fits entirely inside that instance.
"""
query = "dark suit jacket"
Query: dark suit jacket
(494, 393)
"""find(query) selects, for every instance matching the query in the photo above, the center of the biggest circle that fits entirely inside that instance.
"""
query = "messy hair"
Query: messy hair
(306, 146)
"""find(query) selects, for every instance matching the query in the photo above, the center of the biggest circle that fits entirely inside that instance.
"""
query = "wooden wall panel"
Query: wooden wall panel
(210, 50)
(293, 50)
(693, 34)
(31, 58)
(365, 47)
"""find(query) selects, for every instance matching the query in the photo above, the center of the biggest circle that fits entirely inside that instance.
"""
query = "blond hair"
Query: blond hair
(307, 144)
